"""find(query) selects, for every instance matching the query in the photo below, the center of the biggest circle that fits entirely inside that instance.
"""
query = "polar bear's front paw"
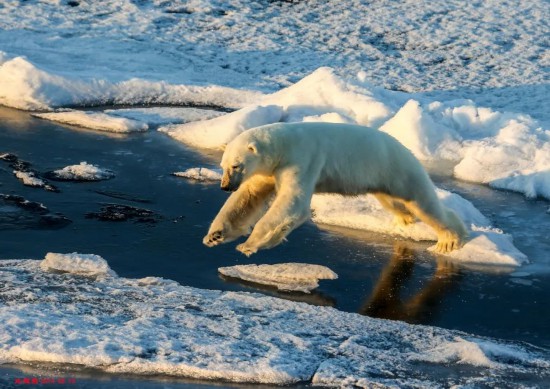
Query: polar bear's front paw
(246, 249)
(213, 238)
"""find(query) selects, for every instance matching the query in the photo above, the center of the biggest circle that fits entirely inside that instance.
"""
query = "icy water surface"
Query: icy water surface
(146, 222)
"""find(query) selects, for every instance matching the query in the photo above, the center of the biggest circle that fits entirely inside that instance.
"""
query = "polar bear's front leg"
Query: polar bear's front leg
(289, 210)
(241, 210)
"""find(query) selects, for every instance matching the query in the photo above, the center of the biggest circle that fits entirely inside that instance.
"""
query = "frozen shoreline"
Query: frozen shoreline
(156, 326)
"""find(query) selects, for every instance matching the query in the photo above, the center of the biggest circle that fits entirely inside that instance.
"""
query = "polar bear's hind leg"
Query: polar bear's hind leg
(402, 216)
(449, 228)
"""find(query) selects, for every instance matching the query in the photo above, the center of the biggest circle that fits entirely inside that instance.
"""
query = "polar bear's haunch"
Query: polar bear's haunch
(274, 170)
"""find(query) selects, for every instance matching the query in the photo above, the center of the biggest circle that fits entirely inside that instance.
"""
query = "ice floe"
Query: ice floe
(486, 244)
(299, 277)
(156, 326)
(201, 174)
(157, 116)
(75, 263)
(81, 172)
(95, 120)
(217, 132)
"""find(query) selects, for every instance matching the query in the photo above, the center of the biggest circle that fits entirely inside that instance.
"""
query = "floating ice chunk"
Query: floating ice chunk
(201, 174)
(29, 179)
(95, 121)
(300, 277)
(84, 264)
(82, 172)
(216, 133)
(457, 351)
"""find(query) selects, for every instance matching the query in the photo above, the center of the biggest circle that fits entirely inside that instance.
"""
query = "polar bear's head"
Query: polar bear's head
(241, 159)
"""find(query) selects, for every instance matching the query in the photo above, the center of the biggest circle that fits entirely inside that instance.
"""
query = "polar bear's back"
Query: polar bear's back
(352, 159)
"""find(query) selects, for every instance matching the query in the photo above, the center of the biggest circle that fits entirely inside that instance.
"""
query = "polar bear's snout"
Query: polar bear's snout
(230, 182)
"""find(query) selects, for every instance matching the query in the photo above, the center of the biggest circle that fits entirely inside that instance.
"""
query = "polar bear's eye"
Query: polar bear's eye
(235, 167)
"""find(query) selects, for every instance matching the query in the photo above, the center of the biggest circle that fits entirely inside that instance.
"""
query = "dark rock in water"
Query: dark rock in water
(8, 157)
(18, 213)
(121, 212)
(20, 166)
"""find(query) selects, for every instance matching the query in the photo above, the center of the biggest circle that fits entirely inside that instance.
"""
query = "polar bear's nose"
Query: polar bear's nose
(226, 187)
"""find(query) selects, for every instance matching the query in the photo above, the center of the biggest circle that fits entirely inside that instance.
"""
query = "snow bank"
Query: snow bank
(322, 93)
(201, 174)
(82, 172)
(75, 263)
(156, 326)
(486, 245)
(299, 277)
(95, 121)
(217, 132)
(25, 86)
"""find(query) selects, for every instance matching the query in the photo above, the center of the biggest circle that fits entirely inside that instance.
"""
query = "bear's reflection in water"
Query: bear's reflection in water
(387, 301)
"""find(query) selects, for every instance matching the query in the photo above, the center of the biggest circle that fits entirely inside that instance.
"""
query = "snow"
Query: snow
(299, 277)
(95, 121)
(496, 51)
(75, 263)
(156, 326)
(83, 172)
(201, 174)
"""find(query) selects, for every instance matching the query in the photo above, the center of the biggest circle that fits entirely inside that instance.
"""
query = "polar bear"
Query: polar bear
(274, 170)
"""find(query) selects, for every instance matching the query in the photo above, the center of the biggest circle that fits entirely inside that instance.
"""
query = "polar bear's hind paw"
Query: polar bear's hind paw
(447, 244)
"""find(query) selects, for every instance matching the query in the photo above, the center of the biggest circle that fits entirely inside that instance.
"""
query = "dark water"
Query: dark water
(378, 275)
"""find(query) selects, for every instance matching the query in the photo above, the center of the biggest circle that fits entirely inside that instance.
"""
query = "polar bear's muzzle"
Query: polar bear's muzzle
(231, 182)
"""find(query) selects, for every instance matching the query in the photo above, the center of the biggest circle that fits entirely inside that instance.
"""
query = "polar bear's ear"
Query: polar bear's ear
(253, 148)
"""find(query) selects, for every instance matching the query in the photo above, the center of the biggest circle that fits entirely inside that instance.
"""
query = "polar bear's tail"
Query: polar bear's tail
(455, 224)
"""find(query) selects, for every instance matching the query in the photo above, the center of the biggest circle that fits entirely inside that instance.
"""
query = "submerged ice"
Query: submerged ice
(52, 311)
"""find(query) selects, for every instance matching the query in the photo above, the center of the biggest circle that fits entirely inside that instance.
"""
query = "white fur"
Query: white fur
(275, 169)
